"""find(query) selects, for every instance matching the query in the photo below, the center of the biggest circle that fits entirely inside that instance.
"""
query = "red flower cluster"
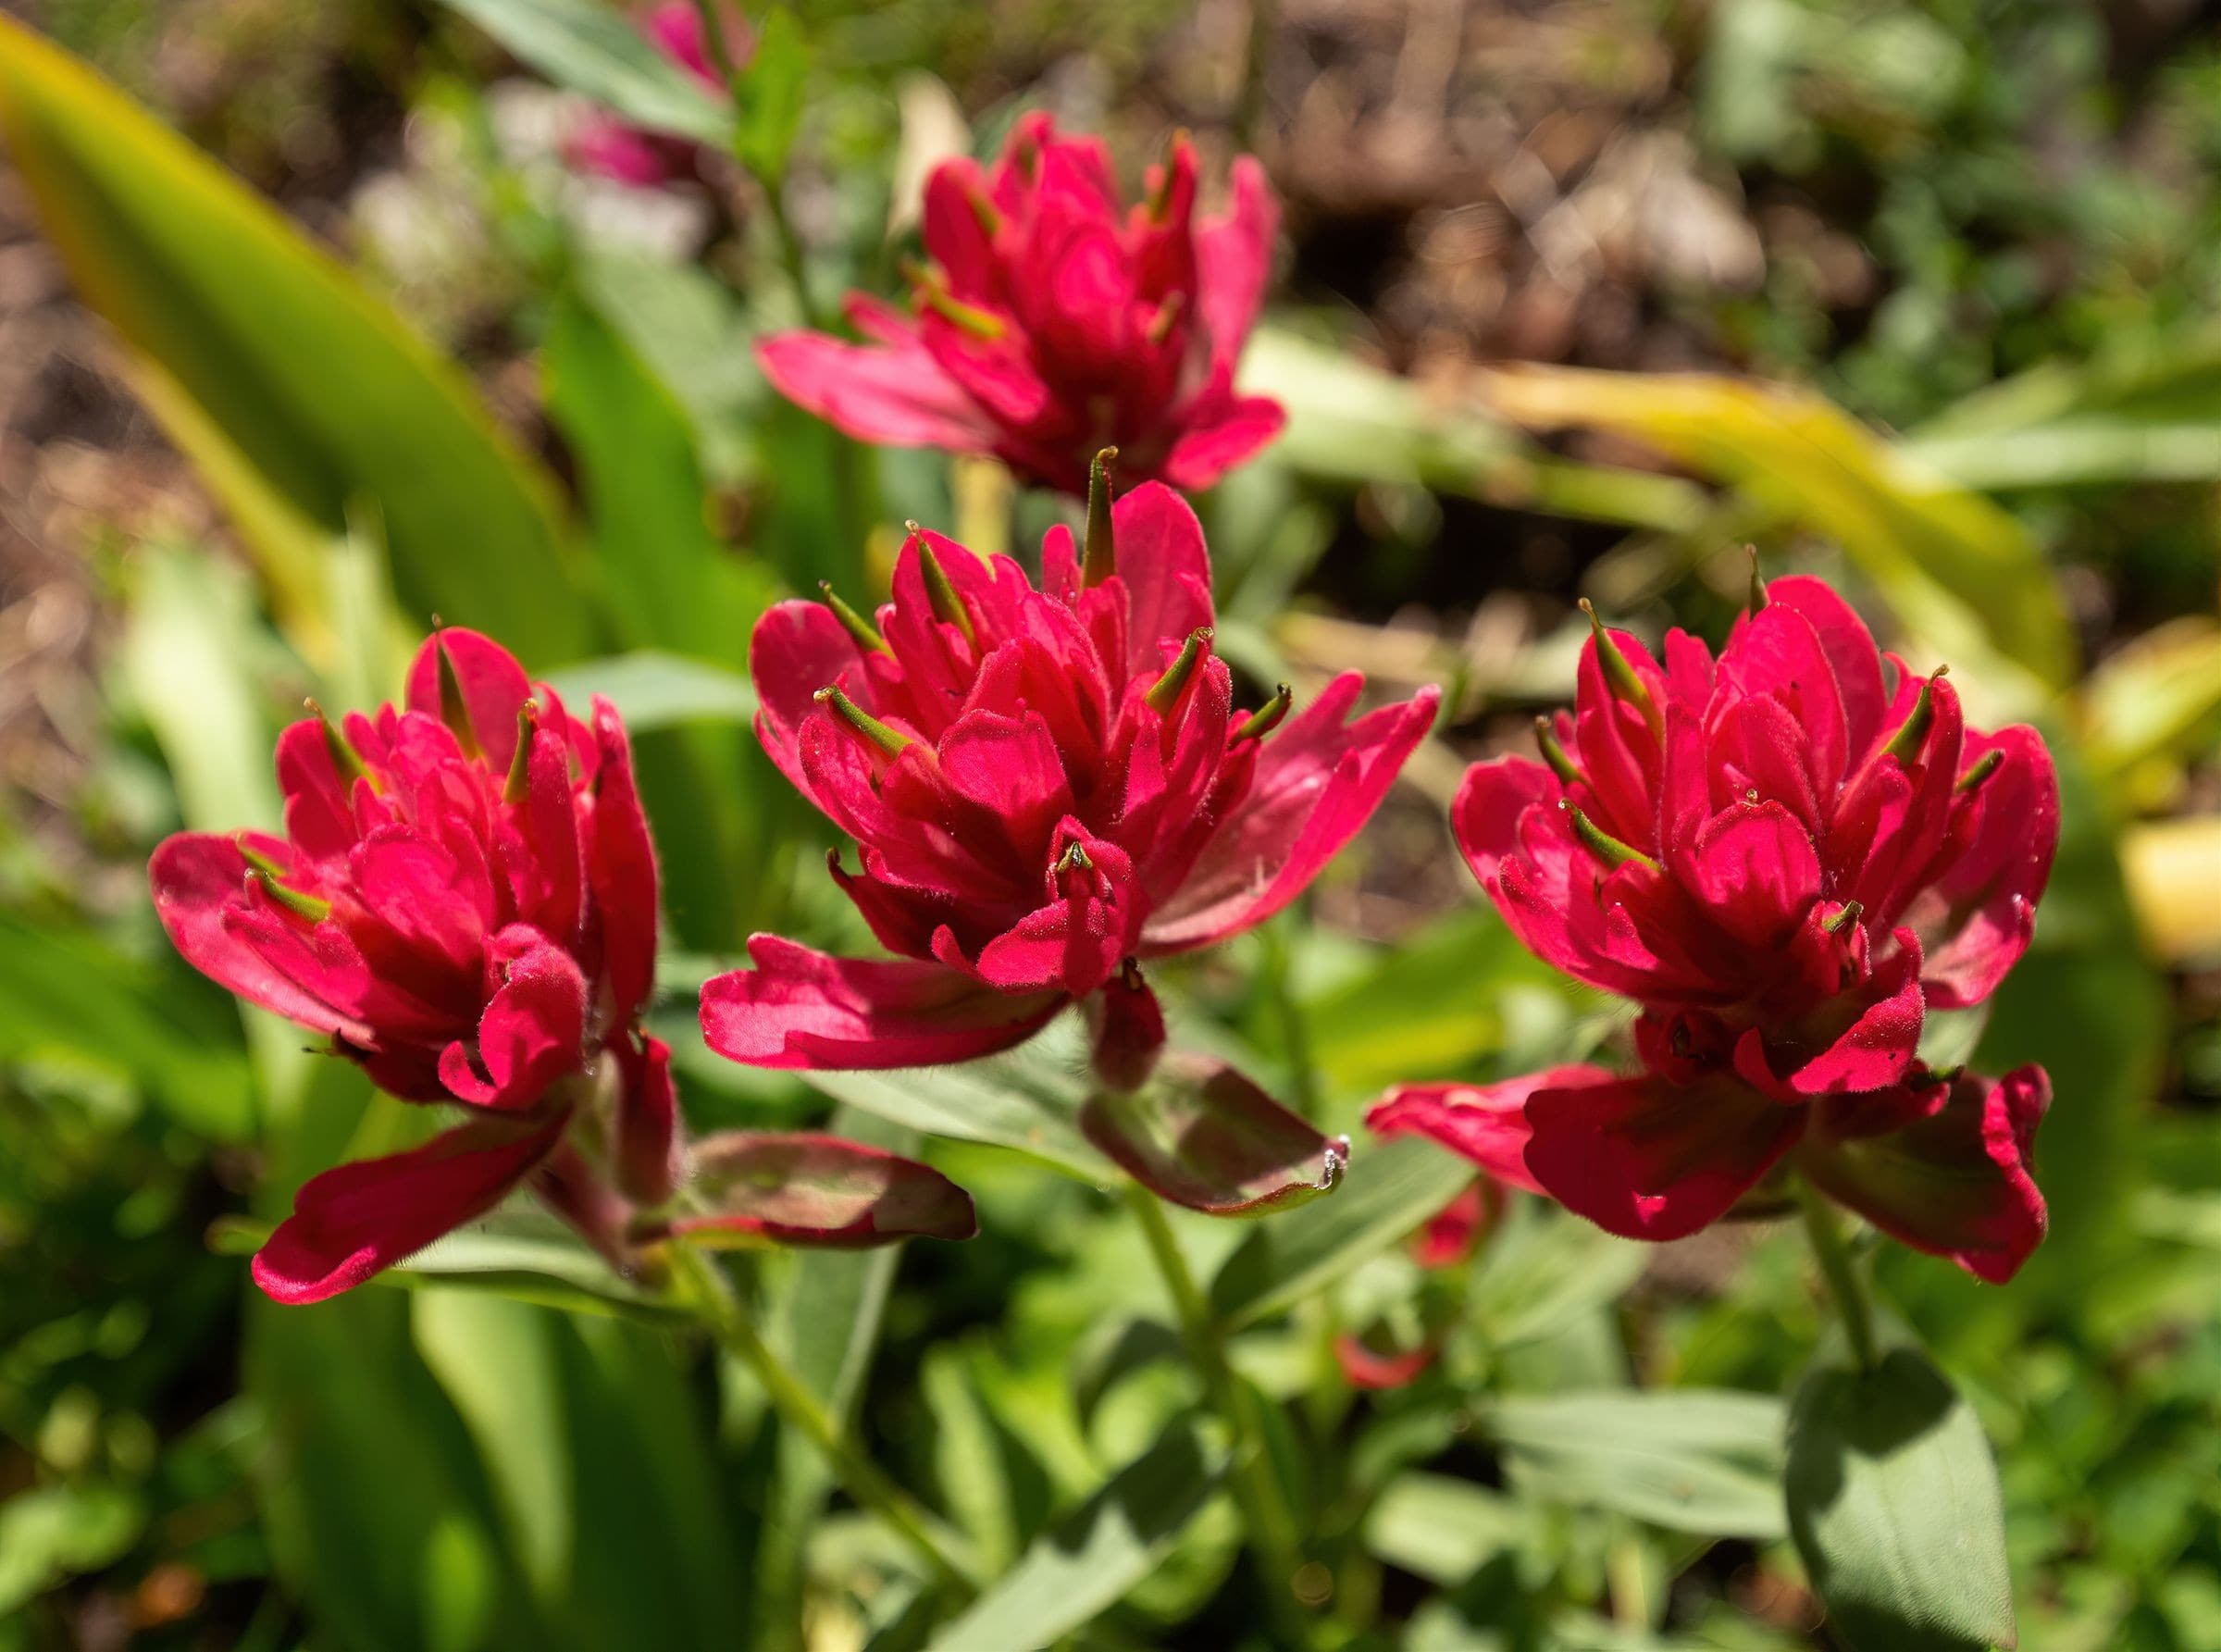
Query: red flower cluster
(1785, 857)
(636, 155)
(1054, 319)
(465, 900)
(1046, 786)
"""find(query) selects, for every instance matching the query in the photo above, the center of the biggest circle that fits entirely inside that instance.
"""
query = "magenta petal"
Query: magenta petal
(1755, 866)
(493, 687)
(1202, 1135)
(899, 396)
(797, 649)
(1485, 1122)
(1956, 1184)
(817, 1190)
(1212, 446)
(803, 1010)
(353, 1221)
(1648, 1160)
(1235, 258)
(532, 1033)
(621, 871)
(1849, 650)
(647, 1120)
(1166, 571)
(1318, 781)
(195, 875)
(1877, 1050)
(1998, 878)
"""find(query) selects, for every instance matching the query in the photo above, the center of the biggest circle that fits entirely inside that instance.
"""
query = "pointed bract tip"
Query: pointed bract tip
(1844, 917)
(942, 596)
(1601, 844)
(453, 710)
(520, 762)
(1912, 735)
(1266, 717)
(1756, 600)
(861, 722)
(1619, 675)
(1165, 692)
(302, 906)
(929, 288)
(1100, 559)
(1554, 753)
(866, 635)
(1988, 764)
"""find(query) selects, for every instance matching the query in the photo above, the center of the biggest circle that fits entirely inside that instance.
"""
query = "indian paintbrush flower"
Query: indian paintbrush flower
(463, 902)
(1785, 856)
(1047, 787)
(637, 156)
(1052, 319)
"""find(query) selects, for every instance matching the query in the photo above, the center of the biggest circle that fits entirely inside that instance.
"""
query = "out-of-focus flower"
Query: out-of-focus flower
(1047, 787)
(637, 155)
(1054, 319)
(464, 900)
(1785, 856)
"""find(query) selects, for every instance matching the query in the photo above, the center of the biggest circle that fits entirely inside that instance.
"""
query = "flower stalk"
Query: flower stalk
(1839, 1270)
(703, 1283)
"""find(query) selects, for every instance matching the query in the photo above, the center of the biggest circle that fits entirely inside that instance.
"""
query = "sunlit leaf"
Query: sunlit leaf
(1702, 1461)
(1893, 1504)
(596, 50)
(655, 690)
(1958, 569)
(310, 381)
(1090, 1558)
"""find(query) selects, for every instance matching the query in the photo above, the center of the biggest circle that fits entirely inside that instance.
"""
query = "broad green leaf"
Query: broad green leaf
(1442, 1529)
(495, 1360)
(770, 94)
(312, 383)
(1702, 1461)
(1090, 1559)
(1353, 423)
(67, 991)
(1544, 1270)
(1029, 1100)
(52, 1531)
(1893, 1504)
(653, 690)
(1200, 1135)
(1956, 567)
(1387, 1191)
(2151, 696)
(597, 51)
(668, 579)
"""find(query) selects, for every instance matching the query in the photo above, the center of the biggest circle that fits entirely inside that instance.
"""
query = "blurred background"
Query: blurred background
(1574, 299)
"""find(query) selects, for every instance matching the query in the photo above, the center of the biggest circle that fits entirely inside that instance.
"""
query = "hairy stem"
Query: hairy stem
(1840, 1272)
(1263, 1509)
(800, 1410)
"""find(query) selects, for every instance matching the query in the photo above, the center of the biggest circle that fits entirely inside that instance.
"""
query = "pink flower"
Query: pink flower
(463, 901)
(645, 158)
(1055, 320)
(1784, 856)
(1047, 787)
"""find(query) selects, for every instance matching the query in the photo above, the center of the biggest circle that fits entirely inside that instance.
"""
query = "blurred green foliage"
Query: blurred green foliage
(493, 1449)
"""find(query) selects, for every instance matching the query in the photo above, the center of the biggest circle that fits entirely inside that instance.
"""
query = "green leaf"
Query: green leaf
(52, 1532)
(1955, 566)
(749, 1186)
(1088, 1560)
(669, 580)
(1707, 1462)
(655, 690)
(597, 51)
(770, 94)
(1542, 1270)
(1029, 1100)
(1200, 1135)
(1442, 1528)
(314, 384)
(1893, 1503)
(1387, 1191)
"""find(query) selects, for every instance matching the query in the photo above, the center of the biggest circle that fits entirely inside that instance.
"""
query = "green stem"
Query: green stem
(1265, 1509)
(802, 1411)
(1294, 1027)
(1840, 1272)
